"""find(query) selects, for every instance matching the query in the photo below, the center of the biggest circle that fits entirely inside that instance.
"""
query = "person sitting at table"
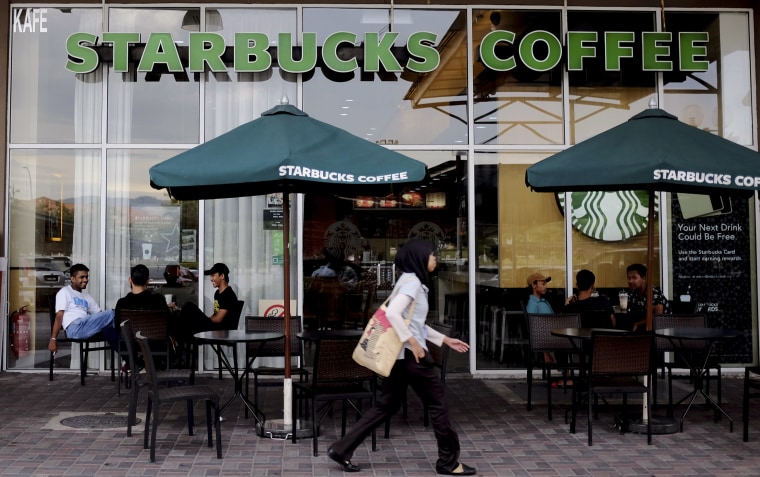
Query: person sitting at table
(637, 297)
(192, 320)
(586, 301)
(140, 298)
(536, 301)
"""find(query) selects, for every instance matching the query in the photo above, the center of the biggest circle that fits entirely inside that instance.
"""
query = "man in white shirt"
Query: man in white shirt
(79, 314)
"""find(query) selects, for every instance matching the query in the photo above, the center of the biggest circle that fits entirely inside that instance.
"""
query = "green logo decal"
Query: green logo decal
(609, 216)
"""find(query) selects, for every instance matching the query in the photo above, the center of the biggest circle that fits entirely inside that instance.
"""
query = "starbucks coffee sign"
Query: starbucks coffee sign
(345, 52)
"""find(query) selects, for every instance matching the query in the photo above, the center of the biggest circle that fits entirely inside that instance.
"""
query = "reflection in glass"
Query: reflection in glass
(50, 186)
(520, 106)
(48, 103)
(600, 99)
(144, 225)
(406, 108)
(717, 100)
(155, 107)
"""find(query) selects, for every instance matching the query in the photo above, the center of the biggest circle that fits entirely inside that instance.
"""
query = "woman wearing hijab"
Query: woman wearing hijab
(414, 366)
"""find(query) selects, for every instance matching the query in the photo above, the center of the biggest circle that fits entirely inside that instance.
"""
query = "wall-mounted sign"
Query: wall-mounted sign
(344, 52)
(273, 219)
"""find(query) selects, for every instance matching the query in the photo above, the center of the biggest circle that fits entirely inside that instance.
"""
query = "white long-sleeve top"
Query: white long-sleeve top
(408, 288)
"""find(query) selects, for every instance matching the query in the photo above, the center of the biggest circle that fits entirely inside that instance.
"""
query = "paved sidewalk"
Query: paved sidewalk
(498, 436)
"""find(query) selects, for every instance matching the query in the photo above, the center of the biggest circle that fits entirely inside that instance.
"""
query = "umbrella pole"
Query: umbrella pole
(650, 259)
(287, 386)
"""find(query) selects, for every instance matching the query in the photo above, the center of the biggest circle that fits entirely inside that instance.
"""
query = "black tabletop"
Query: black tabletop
(316, 335)
(235, 336)
(582, 333)
(696, 333)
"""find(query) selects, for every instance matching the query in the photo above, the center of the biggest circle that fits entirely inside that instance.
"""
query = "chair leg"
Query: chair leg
(218, 424)
(530, 386)
(745, 407)
(590, 414)
(190, 417)
(208, 423)
(314, 426)
(83, 353)
(549, 393)
(52, 364)
(154, 430)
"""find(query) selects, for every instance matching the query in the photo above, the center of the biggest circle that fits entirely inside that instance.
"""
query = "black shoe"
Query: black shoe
(345, 464)
(466, 470)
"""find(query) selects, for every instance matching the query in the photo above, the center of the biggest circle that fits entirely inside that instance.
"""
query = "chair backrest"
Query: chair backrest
(621, 354)
(333, 364)
(596, 319)
(276, 324)
(51, 310)
(128, 335)
(232, 321)
(540, 326)
(660, 322)
(440, 354)
(150, 366)
(152, 323)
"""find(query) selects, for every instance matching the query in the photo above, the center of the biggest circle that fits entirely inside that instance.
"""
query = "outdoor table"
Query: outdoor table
(580, 336)
(680, 338)
(317, 335)
(219, 339)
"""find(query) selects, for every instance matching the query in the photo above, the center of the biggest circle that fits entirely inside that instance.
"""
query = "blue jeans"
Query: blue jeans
(90, 325)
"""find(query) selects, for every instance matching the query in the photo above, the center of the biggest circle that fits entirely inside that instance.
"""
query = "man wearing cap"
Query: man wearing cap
(192, 320)
(536, 302)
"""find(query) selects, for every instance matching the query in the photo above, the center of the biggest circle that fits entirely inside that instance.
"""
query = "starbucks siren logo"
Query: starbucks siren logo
(609, 216)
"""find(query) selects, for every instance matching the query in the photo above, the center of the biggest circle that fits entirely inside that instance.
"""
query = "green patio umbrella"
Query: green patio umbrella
(652, 151)
(286, 150)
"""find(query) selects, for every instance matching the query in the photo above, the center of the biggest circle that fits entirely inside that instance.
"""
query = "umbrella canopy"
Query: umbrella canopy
(286, 151)
(283, 151)
(652, 151)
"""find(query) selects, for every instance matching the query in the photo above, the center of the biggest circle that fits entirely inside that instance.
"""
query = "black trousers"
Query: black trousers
(425, 379)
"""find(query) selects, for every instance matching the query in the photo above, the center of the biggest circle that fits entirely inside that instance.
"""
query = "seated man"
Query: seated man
(586, 301)
(140, 298)
(637, 298)
(192, 320)
(78, 313)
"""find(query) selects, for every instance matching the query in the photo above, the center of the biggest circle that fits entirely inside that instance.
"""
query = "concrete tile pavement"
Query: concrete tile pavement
(498, 436)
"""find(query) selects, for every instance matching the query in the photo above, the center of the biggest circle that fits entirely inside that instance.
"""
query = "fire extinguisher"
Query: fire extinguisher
(21, 332)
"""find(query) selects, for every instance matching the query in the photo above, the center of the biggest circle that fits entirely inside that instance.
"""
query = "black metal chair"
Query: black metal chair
(540, 341)
(664, 345)
(158, 396)
(336, 377)
(274, 349)
(230, 323)
(153, 324)
(169, 377)
(85, 346)
(751, 391)
(620, 364)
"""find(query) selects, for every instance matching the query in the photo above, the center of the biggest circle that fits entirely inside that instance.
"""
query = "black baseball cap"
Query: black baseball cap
(218, 268)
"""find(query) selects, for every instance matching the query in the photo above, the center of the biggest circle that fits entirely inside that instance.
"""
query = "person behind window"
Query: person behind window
(536, 301)
(637, 297)
(79, 314)
(585, 300)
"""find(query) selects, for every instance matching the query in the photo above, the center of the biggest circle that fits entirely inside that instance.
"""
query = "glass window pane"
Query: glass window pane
(600, 99)
(154, 107)
(406, 108)
(520, 106)
(235, 98)
(48, 103)
(719, 99)
(55, 217)
(144, 225)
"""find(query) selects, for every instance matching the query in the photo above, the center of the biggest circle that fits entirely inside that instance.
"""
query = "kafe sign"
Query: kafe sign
(342, 52)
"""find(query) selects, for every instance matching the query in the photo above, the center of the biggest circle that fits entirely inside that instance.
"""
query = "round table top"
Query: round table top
(582, 333)
(316, 335)
(699, 333)
(236, 336)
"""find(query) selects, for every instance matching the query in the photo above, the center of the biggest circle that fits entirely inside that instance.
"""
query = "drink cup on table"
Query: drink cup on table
(623, 297)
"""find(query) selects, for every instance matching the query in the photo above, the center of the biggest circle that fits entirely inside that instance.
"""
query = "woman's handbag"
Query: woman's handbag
(379, 345)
